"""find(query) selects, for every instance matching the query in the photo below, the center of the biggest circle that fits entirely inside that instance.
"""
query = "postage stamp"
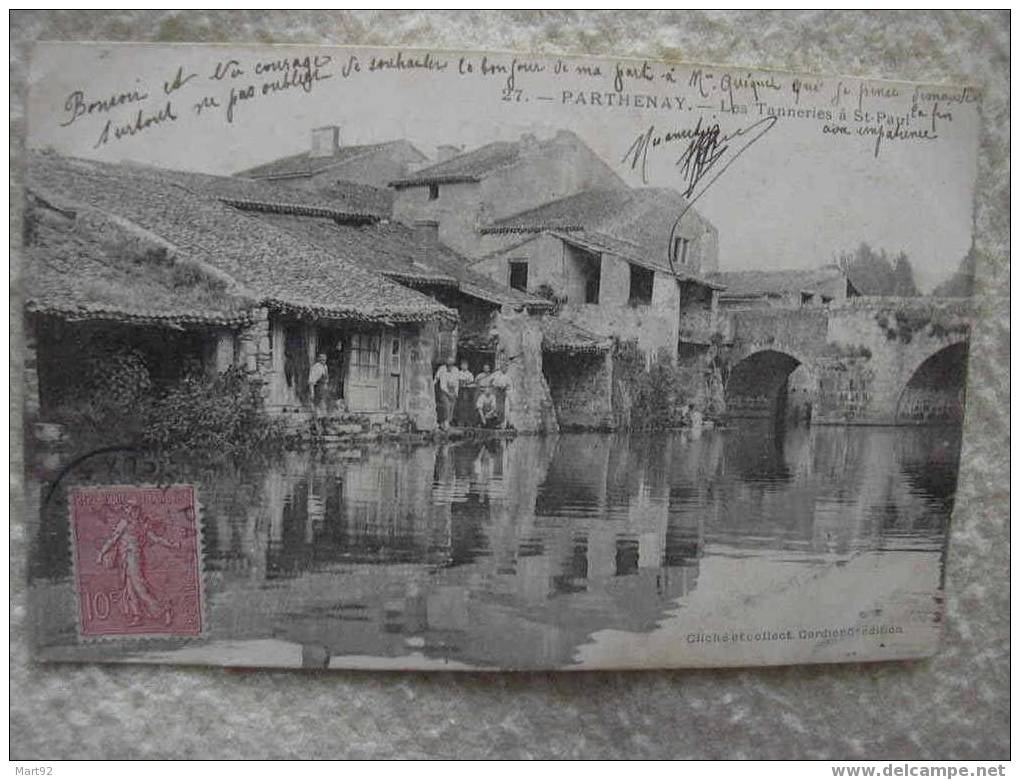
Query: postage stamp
(137, 561)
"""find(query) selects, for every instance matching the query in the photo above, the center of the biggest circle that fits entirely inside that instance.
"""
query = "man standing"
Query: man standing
(500, 382)
(448, 382)
(318, 382)
(485, 377)
(462, 415)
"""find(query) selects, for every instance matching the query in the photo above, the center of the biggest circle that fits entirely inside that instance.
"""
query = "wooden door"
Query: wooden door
(364, 373)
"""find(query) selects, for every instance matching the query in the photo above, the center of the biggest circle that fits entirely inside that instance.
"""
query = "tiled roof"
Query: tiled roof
(470, 166)
(559, 335)
(779, 282)
(478, 163)
(586, 209)
(78, 273)
(386, 248)
(361, 198)
(392, 249)
(303, 164)
(635, 223)
(280, 269)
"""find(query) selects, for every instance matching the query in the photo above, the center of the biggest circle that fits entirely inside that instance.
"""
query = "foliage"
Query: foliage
(654, 400)
(873, 273)
(904, 325)
(544, 290)
(118, 404)
(223, 413)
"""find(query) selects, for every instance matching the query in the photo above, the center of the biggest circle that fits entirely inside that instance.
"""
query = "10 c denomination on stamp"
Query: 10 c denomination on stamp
(137, 561)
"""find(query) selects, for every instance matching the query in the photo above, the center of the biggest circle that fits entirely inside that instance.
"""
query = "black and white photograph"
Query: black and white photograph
(420, 359)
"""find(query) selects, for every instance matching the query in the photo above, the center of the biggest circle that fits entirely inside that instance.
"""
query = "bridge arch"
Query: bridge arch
(758, 384)
(934, 389)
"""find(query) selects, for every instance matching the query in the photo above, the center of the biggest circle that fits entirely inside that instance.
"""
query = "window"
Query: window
(642, 280)
(519, 276)
(433, 192)
(394, 356)
(681, 247)
(365, 356)
(593, 283)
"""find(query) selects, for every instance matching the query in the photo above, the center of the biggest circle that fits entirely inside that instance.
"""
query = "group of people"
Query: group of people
(470, 400)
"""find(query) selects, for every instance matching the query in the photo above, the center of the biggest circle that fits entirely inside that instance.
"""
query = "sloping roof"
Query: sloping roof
(303, 164)
(269, 195)
(479, 163)
(393, 250)
(469, 166)
(634, 223)
(593, 241)
(585, 209)
(359, 198)
(78, 274)
(345, 198)
(775, 283)
(281, 270)
(386, 248)
(559, 335)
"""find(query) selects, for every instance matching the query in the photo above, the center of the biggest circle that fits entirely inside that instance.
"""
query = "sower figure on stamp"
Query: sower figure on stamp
(126, 547)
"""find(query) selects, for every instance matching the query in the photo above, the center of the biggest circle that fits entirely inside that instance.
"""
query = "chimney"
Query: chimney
(446, 151)
(325, 141)
(426, 236)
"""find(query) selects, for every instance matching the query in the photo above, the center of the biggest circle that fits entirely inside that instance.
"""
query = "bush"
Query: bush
(118, 404)
(222, 414)
(655, 402)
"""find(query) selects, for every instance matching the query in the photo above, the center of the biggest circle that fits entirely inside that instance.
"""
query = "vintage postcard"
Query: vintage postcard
(406, 359)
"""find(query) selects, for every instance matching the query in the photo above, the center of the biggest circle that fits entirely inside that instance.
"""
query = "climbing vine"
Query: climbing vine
(904, 325)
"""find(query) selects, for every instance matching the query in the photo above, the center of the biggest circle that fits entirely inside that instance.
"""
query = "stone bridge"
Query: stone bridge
(867, 360)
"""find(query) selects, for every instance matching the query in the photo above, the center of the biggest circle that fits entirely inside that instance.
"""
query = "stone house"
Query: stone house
(159, 262)
(549, 217)
(470, 190)
(496, 325)
(792, 288)
(329, 163)
(616, 264)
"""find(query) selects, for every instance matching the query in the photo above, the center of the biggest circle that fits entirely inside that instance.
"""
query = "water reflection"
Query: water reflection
(515, 553)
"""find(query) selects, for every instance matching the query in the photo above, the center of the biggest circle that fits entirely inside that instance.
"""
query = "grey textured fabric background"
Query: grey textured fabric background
(953, 706)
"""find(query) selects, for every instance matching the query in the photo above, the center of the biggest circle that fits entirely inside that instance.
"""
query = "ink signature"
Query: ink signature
(708, 154)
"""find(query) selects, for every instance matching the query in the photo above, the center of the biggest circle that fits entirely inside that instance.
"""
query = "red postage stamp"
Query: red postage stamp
(137, 561)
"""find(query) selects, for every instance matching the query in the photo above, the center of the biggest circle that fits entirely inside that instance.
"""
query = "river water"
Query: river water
(570, 550)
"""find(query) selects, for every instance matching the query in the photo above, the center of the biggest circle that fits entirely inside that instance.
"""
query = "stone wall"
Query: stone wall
(805, 329)
(255, 351)
(545, 171)
(529, 404)
(456, 210)
(654, 326)
(861, 354)
(30, 371)
(582, 389)
(420, 345)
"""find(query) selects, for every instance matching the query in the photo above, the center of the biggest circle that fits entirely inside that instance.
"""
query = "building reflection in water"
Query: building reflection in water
(513, 553)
